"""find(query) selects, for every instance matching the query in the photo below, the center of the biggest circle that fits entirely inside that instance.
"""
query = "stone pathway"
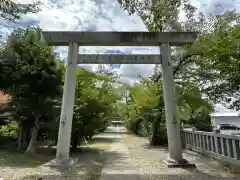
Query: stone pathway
(119, 164)
(131, 158)
(123, 157)
(150, 162)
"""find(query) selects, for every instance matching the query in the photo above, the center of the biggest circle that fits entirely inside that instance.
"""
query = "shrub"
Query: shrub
(8, 133)
(131, 124)
(141, 128)
(204, 127)
(9, 130)
(160, 137)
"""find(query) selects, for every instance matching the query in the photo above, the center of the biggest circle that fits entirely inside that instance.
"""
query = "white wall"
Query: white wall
(225, 120)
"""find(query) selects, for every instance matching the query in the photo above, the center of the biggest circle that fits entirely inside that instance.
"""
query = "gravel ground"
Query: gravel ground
(149, 161)
(88, 165)
(112, 156)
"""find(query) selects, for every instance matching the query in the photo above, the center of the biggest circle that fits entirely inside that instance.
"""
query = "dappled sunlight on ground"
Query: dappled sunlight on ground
(149, 161)
(90, 159)
(110, 156)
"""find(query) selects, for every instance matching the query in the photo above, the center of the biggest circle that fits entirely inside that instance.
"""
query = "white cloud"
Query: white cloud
(24, 1)
(134, 70)
(100, 15)
(95, 15)
(216, 6)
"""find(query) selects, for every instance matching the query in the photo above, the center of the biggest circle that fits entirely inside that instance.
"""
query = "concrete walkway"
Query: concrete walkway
(130, 158)
(119, 164)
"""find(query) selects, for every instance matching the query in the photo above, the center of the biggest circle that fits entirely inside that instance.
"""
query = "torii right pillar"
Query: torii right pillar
(175, 158)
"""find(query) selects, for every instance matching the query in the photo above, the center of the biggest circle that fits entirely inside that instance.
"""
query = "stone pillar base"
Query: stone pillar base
(171, 163)
(70, 163)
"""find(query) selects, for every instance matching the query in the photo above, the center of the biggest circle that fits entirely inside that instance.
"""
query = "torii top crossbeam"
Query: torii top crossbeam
(62, 38)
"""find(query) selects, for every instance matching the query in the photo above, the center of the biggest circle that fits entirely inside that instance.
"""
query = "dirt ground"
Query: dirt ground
(111, 156)
(150, 162)
(89, 160)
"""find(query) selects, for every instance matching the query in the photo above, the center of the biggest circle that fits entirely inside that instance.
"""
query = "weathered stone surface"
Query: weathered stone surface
(118, 59)
(53, 163)
(62, 38)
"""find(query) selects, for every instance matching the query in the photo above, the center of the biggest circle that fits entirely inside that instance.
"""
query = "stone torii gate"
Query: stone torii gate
(163, 39)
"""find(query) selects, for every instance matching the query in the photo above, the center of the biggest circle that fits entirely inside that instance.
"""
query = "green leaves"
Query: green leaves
(95, 104)
(218, 57)
(11, 10)
(29, 70)
(162, 15)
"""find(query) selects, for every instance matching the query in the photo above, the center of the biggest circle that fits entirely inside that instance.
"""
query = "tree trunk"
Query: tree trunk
(20, 136)
(75, 143)
(32, 144)
(155, 129)
(25, 140)
(155, 132)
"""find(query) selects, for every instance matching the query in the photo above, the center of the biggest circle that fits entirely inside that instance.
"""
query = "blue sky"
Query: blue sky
(101, 15)
(114, 52)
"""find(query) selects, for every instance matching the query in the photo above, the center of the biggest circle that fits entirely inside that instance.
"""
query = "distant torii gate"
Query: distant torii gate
(162, 39)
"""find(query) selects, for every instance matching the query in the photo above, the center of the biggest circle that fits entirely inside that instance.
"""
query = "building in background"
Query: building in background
(225, 118)
(5, 109)
(4, 98)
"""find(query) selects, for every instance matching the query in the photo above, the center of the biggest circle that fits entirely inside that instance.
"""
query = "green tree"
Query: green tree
(161, 15)
(210, 67)
(94, 105)
(12, 11)
(147, 107)
(217, 60)
(157, 15)
(32, 77)
(201, 119)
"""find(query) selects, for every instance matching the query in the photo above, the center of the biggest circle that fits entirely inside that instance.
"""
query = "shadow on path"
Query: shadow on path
(88, 166)
(114, 132)
(10, 158)
(162, 176)
(148, 146)
(103, 139)
(127, 177)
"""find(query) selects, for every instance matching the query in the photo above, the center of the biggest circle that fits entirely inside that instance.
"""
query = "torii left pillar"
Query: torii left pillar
(65, 126)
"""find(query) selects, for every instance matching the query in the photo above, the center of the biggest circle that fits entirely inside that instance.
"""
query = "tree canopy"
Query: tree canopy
(204, 73)
(32, 75)
(11, 10)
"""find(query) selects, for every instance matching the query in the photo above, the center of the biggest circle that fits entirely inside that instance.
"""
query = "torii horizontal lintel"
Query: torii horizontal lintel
(118, 59)
(63, 38)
